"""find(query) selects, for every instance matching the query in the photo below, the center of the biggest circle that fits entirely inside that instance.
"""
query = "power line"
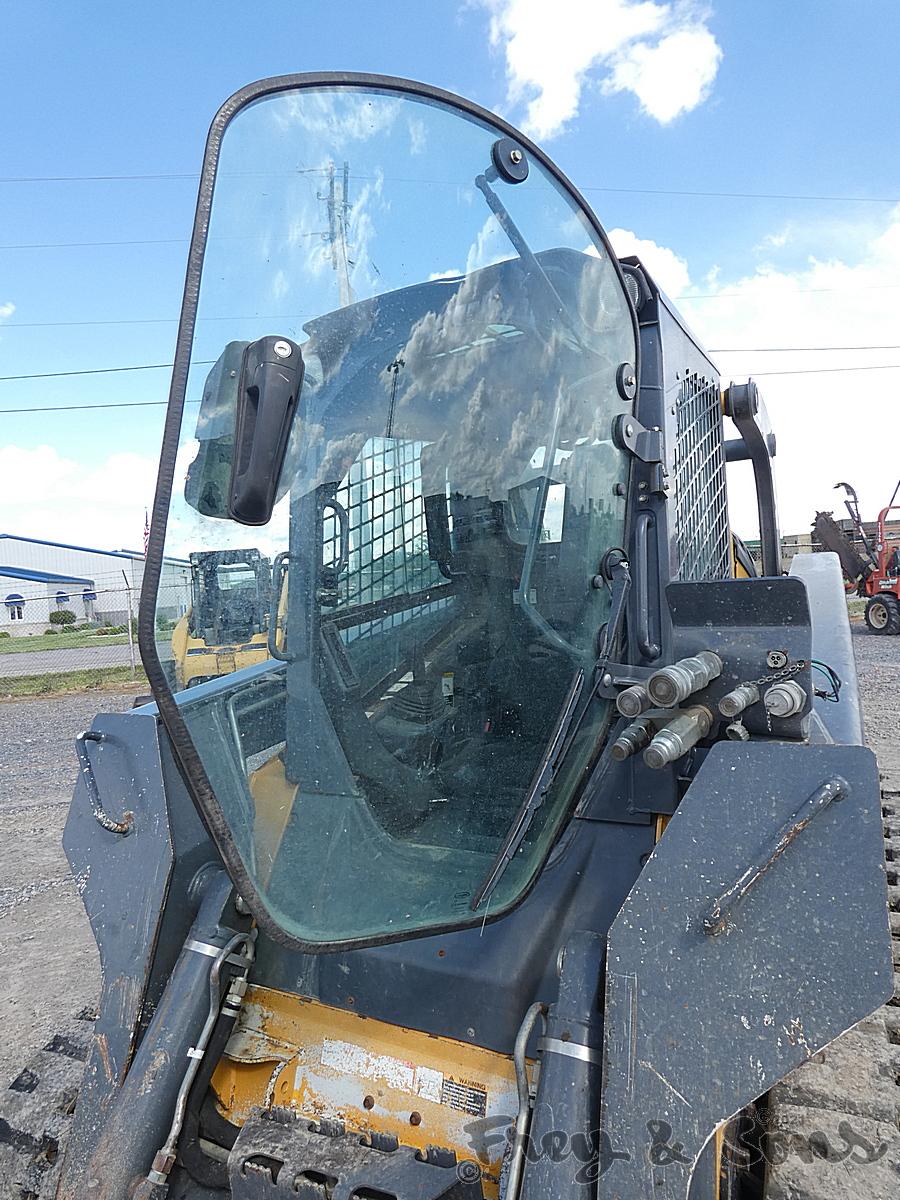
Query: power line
(294, 316)
(162, 403)
(84, 407)
(95, 178)
(206, 362)
(791, 349)
(827, 370)
(199, 362)
(874, 287)
(641, 191)
(746, 195)
(70, 245)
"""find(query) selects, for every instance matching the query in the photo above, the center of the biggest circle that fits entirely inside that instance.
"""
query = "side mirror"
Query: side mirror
(249, 403)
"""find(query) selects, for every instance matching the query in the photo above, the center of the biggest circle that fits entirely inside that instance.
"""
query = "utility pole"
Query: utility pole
(395, 368)
(338, 205)
(130, 630)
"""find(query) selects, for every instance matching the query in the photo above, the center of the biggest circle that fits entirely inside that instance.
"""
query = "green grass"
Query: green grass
(71, 681)
(59, 641)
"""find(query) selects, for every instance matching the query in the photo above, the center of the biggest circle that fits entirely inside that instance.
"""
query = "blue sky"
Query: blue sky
(636, 101)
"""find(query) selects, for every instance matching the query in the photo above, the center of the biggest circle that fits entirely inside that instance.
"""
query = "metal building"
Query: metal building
(99, 586)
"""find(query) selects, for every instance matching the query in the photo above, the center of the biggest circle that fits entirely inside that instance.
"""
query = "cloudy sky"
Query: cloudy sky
(747, 152)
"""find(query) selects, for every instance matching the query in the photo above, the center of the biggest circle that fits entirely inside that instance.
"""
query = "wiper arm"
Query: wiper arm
(512, 231)
(564, 731)
(538, 788)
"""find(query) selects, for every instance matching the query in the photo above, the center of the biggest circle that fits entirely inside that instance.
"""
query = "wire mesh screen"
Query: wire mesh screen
(701, 509)
(386, 543)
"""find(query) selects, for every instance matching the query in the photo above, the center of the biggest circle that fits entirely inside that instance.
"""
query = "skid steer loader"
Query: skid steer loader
(226, 627)
(529, 859)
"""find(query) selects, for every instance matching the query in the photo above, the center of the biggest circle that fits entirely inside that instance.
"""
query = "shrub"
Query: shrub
(54, 632)
(62, 616)
(5, 633)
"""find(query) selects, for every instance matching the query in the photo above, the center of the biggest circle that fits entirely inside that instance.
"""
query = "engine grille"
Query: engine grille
(701, 509)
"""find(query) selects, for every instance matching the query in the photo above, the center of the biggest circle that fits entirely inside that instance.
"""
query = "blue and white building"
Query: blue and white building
(99, 586)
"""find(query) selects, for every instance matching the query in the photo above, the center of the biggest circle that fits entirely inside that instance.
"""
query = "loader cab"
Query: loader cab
(415, 412)
(229, 595)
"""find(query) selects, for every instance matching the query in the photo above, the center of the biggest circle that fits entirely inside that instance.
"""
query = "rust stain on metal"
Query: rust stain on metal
(102, 1044)
(324, 1062)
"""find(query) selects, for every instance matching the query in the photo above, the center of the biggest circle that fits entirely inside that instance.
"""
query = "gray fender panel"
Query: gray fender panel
(123, 882)
(698, 1026)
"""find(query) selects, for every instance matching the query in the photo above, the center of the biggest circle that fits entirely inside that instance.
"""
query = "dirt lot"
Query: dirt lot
(45, 941)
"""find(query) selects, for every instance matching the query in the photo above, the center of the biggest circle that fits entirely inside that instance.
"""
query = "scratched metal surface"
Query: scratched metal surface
(698, 1026)
(122, 882)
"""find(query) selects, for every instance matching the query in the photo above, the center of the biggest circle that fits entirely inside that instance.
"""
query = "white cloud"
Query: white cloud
(663, 53)
(7, 310)
(43, 494)
(667, 269)
(671, 77)
(829, 426)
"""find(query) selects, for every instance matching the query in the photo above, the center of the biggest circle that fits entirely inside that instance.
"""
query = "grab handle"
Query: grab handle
(87, 771)
(716, 919)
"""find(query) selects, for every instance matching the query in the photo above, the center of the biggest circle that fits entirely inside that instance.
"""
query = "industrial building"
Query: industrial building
(99, 586)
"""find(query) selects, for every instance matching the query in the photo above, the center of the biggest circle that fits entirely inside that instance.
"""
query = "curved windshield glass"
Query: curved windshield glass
(412, 696)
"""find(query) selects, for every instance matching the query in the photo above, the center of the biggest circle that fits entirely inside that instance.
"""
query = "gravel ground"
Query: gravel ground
(46, 945)
(878, 667)
(45, 942)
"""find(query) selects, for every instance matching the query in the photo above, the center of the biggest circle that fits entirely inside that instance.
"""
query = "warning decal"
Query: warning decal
(464, 1097)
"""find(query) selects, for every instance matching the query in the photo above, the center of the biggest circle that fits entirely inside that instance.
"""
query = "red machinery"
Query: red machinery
(872, 569)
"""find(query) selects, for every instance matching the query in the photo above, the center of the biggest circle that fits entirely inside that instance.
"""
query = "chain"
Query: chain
(784, 673)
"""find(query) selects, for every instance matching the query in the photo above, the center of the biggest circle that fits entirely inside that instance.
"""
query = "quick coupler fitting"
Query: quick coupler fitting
(784, 699)
(633, 738)
(671, 685)
(737, 700)
(675, 739)
(633, 701)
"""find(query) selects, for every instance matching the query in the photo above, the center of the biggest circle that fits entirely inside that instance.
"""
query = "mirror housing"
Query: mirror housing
(249, 401)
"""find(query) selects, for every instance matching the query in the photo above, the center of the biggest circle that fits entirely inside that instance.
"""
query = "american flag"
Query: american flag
(146, 531)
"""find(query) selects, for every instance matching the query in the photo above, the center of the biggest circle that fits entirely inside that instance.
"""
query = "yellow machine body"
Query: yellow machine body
(327, 1062)
(195, 661)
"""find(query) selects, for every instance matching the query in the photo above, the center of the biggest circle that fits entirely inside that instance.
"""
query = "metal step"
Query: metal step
(834, 1124)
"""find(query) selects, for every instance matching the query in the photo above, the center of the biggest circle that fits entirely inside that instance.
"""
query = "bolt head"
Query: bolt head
(629, 430)
(515, 156)
(282, 349)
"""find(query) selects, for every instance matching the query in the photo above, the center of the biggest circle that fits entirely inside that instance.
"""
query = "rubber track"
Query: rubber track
(36, 1112)
(836, 1120)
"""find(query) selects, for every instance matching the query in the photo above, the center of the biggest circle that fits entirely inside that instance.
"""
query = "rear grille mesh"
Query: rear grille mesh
(701, 509)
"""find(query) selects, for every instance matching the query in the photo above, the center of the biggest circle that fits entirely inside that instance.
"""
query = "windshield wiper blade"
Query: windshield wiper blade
(564, 731)
(534, 797)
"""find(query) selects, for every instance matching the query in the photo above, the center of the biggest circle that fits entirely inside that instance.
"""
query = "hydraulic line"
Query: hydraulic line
(156, 1182)
(523, 1116)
